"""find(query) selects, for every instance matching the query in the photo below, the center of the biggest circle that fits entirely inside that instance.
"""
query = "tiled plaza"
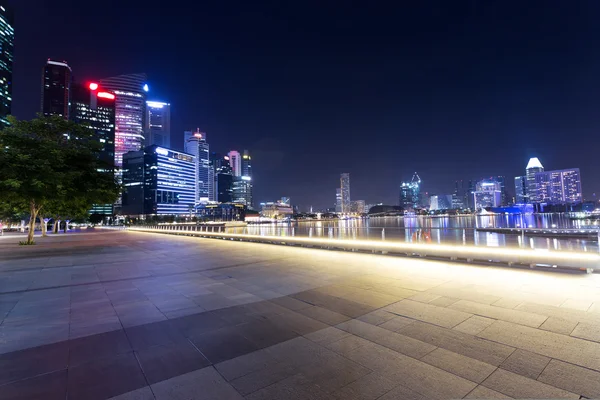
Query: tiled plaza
(129, 315)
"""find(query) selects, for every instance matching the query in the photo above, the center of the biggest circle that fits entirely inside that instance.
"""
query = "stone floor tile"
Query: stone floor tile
(474, 325)
(481, 392)
(376, 317)
(154, 334)
(333, 373)
(322, 314)
(52, 386)
(506, 302)
(100, 345)
(33, 361)
(525, 363)
(400, 343)
(245, 364)
(144, 393)
(428, 313)
(327, 335)
(347, 344)
(465, 294)
(106, 377)
(553, 345)
(459, 342)
(269, 374)
(290, 303)
(587, 331)
(296, 387)
(224, 344)
(265, 333)
(424, 297)
(163, 362)
(413, 374)
(186, 387)
(443, 301)
(404, 393)
(484, 310)
(559, 325)
(559, 312)
(575, 304)
(368, 387)
(518, 386)
(572, 378)
(465, 367)
(396, 323)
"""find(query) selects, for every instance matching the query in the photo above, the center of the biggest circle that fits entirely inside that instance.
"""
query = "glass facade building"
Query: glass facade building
(559, 187)
(520, 190)
(197, 145)
(345, 191)
(56, 89)
(242, 190)
(158, 124)
(158, 181)
(488, 193)
(235, 160)
(7, 46)
(410, 193)
(130, 104)
(533, 167)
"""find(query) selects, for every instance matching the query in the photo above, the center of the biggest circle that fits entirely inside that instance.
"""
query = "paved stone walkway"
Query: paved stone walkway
(143, 316)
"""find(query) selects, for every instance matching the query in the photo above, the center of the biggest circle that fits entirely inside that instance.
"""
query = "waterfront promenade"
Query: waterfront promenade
(141, 316)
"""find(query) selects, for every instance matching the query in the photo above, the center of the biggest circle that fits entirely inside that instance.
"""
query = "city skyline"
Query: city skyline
(483, 115)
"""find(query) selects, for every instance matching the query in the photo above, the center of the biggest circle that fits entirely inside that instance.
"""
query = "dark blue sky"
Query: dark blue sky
(450, 89)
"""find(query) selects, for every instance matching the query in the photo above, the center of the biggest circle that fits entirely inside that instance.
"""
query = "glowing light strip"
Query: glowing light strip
(506, 254)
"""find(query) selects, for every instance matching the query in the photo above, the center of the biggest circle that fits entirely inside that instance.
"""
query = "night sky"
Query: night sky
(450, 89)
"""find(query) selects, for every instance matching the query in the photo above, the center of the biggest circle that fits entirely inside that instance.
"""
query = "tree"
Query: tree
(51, 166)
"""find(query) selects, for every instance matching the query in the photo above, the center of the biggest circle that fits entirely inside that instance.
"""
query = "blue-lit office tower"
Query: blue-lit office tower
(345, 191)
(130, 105)
(559, 187)
(56, 89)
(157, 124)
(94, 108)
(488, 193)
(195, 144)
(7, 39)
(520, 190)
(158, 181)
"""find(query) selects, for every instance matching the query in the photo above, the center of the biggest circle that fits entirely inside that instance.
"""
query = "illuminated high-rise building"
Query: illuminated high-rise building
(345, 191)
(94, 108)
(410, 193)
(520, 189)
(338, 200)
(7, 45)
(158, 124)
(130, 104)
(245, 186)
(559, 187)
(56, 88)
(235, 160)
(533, 167)
(197, 145)
(158, 181)
(459, 197)
(488, 193)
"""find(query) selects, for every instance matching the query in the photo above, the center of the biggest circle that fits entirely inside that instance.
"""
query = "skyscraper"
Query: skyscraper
(459, 195)
(559, 187)
(520, 189)
(158, 181)
(246, 164)
(488, 193)
(93, 107)
(223, 187)
(533, 167)
(345, 191)
(410, 193)
(338, 200)
(56, 88)
(235, 160)
(197, 145)
(158, 124)
(7, 39)
(130, 104)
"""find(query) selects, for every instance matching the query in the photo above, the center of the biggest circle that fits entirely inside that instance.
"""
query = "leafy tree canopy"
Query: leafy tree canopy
(51, 165)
